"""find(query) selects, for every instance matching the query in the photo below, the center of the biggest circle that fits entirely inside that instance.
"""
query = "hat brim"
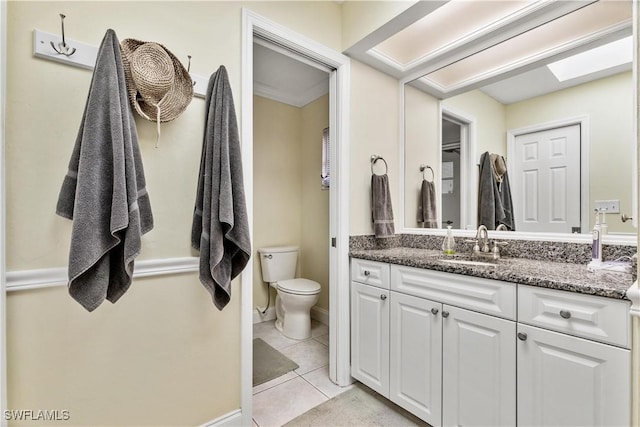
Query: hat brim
(173, 103)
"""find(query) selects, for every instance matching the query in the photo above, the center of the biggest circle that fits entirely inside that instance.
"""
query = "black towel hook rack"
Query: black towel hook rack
(374, 159)
(423, 168)
(63, 48)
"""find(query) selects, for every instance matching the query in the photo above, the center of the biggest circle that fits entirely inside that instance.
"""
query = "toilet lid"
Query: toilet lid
(299, 286)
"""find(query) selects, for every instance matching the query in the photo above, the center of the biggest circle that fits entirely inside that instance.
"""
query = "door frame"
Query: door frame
(585, 149)
(339, 89)
(3, 290)
(468, 201)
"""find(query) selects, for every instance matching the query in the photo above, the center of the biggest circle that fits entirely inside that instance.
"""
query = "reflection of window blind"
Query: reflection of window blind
(326, 159)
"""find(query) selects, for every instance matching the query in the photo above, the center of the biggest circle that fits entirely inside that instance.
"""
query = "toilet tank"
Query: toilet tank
(278, 263)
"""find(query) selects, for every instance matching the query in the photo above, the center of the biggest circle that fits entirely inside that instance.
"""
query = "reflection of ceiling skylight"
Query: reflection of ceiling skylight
(591, 61)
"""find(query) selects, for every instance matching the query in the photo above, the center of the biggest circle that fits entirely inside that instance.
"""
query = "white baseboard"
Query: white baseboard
(320, 314)
(233, 418)
(258, 317)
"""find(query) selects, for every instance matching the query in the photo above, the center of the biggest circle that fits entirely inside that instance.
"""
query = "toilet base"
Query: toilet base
(295, 322)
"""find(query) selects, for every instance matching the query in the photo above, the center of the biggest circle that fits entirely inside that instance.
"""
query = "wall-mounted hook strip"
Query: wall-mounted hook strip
(85, 57)
(374, 159)
(63, 48)
(423, 168)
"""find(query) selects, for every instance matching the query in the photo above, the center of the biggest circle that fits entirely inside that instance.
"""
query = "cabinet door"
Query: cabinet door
(370, 336)
(416, 356)
(569, 381)
(479, 369)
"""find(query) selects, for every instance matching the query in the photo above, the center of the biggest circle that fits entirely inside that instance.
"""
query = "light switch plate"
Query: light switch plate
(609, 206)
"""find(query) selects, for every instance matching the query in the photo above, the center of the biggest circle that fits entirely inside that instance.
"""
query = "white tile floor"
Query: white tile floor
(282, 399)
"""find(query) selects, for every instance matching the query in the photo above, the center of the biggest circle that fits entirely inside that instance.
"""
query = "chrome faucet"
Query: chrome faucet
(502, 227)
(482, 240)
(482, 247)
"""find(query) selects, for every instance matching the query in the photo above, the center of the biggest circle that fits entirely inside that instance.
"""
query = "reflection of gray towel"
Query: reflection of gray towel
(494, 198)
(220, 225)
(381, 210)
(104, 191)
(427, 205)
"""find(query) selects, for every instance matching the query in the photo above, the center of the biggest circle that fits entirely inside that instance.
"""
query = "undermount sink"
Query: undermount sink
(470, 262)
(467, 259)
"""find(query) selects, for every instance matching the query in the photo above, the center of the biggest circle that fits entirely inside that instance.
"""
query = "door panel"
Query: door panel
(479, 369)
(569, 381)
(370, 336)
(416, 356)
(546, 180)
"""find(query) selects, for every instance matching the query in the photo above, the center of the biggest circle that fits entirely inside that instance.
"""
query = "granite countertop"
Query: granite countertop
(552, 275)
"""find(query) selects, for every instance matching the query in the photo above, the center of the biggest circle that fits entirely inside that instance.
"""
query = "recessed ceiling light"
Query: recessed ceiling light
(591, 61)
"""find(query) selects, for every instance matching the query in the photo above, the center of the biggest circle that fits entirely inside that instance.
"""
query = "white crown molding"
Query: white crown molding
(50, 277)
(298, 100)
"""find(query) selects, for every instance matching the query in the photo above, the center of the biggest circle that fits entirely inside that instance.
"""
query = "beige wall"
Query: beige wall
(277, 173)
(490, 118)
(163, 355)
(315, 242)
(374, 130)
(422, 146)
(289, 206)
(609, 105)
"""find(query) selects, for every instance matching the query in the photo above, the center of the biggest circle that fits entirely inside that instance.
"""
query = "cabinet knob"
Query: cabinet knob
(383, 297)
(367, 273)
(434, 311)
(445, 313)
(522, 336)
(565, 314)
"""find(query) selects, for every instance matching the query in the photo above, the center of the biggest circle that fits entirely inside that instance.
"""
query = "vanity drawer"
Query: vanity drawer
(370, 272)
(587, 316)
(487, 296)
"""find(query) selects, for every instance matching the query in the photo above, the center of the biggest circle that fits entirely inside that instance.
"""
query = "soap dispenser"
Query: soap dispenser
(449, 244)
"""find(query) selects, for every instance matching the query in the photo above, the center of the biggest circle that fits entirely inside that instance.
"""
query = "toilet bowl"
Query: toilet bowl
(295, 296)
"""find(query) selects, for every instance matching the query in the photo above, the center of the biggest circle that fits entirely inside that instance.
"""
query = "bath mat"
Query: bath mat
(269, 363)
(358, 406)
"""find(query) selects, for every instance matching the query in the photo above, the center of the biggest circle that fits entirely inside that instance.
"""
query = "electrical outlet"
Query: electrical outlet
(609, 206)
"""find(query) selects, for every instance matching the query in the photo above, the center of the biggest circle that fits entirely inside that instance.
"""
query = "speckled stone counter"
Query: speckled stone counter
(554, 275)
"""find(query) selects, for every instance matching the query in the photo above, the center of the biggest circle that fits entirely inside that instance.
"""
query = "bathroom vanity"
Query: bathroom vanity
(521, 342)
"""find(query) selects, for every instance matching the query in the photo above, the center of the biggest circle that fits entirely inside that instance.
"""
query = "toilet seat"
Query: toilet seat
(299, 286)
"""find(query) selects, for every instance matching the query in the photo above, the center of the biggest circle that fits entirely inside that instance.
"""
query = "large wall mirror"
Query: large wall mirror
(555, 100)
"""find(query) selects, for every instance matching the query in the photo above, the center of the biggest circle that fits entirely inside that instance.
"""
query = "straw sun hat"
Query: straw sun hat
(159, 87)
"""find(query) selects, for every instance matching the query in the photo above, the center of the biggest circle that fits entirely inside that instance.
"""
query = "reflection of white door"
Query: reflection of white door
(546, 183)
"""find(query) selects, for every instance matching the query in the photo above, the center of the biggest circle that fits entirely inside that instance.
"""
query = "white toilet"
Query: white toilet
(295, 296)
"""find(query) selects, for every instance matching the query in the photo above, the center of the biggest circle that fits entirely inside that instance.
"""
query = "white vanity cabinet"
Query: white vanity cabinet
(446, 363)
(565, 377)
(454, 349)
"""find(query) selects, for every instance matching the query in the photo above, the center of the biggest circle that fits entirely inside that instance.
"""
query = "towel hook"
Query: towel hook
(374, 159)
(422, 169)
(189, 68)
(64, 48)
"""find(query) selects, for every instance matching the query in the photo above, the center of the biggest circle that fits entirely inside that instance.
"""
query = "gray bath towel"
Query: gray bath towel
(494, 198)
(381, 210)
(220, 228)
(427, 205)
(104, 190)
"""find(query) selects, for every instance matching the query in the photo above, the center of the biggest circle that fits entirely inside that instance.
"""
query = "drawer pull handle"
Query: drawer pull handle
(445, 313)
(434, 311)
(522, 336)
(565, 314)
(367, 273)
(383, 297)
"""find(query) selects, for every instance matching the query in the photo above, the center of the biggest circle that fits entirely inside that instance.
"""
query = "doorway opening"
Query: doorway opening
(458, 182)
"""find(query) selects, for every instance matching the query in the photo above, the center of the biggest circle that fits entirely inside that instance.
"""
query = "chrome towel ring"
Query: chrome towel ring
(422, 169)
(374, 159)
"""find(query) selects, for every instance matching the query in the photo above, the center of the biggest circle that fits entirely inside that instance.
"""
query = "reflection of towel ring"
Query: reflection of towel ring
(423, 167)
(374, 159)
